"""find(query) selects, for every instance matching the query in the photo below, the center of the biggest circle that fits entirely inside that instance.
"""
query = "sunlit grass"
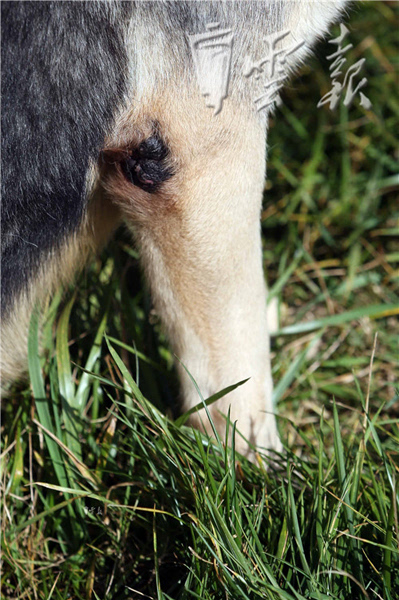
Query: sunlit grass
(107, 494)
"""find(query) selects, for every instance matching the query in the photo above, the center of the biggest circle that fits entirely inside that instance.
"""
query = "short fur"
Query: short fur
(103, 121)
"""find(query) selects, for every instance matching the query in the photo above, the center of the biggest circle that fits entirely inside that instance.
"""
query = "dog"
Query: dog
(155, 114)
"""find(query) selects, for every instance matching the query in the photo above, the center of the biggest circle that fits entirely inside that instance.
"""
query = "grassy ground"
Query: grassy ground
(104, 496)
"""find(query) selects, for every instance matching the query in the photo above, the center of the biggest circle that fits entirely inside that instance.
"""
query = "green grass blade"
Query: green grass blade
(42, 405)
(377, 311)
(183, 418)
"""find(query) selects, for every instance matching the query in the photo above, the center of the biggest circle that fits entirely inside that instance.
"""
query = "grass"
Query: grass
(106, 495)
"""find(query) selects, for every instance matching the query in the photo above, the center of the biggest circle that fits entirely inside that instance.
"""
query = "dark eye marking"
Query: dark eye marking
(145, 166)
(153, 147)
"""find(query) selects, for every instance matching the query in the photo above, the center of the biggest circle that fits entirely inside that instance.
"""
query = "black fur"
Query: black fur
(63, 76)
(64, 69)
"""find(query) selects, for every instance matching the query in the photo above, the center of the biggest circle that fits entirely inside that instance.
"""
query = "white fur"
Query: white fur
(209, 289)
